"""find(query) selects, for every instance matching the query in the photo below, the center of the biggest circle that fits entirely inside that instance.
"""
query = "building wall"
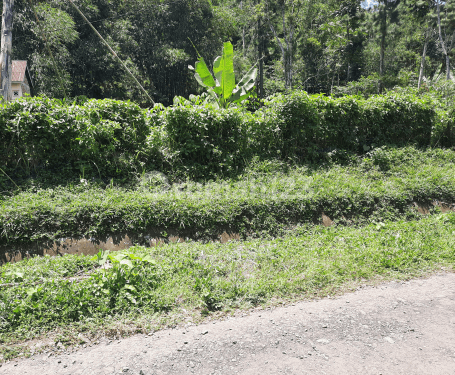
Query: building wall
(17, 90)
(20, 88)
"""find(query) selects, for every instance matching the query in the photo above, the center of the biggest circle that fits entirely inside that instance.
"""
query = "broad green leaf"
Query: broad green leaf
(103, 259)
(17, 274)
(130, 287)
(248, 80)
(127, 262)
(32, 291)
(203, 75)
(217, 90)
(223, 68)
(148, 259)
(213, 98)
(222, 90)
(118, 257)
(245, 86)
(131, 298)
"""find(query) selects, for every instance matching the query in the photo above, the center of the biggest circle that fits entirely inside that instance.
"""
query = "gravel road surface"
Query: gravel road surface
(394, 328)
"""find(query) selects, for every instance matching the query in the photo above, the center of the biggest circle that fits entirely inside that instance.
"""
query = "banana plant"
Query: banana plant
(222, 89)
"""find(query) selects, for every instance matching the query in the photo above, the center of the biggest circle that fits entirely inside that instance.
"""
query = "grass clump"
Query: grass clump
(41, 269)
(139, 284)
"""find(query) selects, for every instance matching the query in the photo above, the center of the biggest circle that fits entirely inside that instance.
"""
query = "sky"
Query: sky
(368, 3)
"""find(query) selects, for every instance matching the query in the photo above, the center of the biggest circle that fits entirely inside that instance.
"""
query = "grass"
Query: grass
(142, 289)
(267, 198)
(379, 236)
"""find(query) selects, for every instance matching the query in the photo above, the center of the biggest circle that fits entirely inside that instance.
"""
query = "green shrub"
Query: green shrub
(36, 131)
(268, 197)
(303, 126)
(101, 137)
(340, 122)
(206, 141)
(114, 139)
(112, 135)
(292, 123)
(443, 134)
(397, 119)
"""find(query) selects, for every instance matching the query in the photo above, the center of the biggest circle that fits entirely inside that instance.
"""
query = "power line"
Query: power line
(112, 51)
(111, 18)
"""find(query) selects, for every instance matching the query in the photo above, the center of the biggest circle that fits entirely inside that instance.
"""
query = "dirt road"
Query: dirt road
(394, 328)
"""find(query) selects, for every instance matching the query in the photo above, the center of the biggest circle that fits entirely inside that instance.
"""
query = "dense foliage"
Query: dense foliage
(376, 150)
(319, 46)
(107, 139)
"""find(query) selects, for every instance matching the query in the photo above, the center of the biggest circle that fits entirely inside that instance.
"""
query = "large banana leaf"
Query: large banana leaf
(222, 90)
(203, 75)
(244, 87)
(223, 67)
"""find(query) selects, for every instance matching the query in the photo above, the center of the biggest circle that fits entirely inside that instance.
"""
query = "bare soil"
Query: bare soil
(394, 328)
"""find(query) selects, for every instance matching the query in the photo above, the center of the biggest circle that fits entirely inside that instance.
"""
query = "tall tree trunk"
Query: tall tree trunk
(382, 51)
(424, 54)
(284, 54)
(441, 40)
(288, 36)
(348, 77)
(243, 33)
(288, 70)
(6, 46)
(260, 55)
(286, 50)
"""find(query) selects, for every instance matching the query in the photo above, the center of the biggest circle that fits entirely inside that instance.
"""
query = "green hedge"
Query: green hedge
(206, 140)
(98, 137)
(114, 139)
(301, 125)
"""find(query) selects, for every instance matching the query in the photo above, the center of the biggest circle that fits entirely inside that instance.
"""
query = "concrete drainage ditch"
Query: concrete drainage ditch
(91, 246)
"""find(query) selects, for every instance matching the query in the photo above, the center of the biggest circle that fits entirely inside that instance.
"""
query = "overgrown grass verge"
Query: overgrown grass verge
(266, 199)
(139, 287)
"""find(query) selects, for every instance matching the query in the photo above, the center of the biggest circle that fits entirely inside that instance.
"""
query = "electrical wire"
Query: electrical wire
(112, 51)
(123, 15)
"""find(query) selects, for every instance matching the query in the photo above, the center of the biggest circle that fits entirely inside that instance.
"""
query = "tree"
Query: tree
(222, 89)
(282, 17)
(6, 46)
(422, 10)
(348, 15)
(386, 12)
(446, 29)
(54, 36)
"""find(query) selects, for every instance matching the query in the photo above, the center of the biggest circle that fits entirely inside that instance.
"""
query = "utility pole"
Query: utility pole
(6, 46)
(261, 64)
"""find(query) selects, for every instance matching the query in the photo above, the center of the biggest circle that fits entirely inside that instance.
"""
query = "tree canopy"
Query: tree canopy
(315, 45)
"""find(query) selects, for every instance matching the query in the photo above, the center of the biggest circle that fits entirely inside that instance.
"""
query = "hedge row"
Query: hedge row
(101, 136)
(108, 138)
(301, 126)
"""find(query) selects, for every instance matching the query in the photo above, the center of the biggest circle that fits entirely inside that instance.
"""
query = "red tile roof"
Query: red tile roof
(18, 70)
